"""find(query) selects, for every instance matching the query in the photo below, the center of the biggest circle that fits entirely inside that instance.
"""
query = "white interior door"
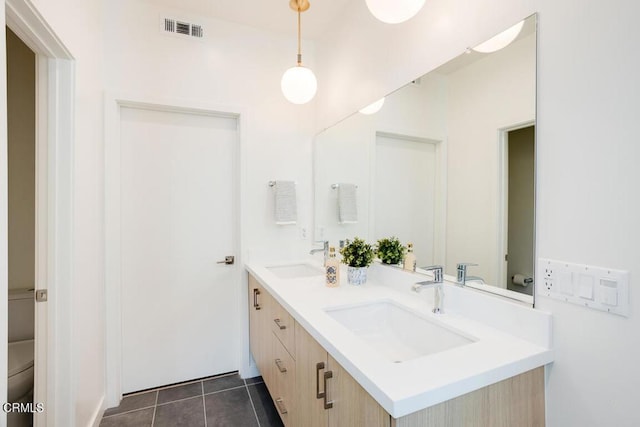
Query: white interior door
(180, 314)
(405, 193)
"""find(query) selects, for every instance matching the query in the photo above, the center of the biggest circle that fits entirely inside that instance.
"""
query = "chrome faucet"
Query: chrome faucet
(325, 249)
(436, 284)
(461, 268)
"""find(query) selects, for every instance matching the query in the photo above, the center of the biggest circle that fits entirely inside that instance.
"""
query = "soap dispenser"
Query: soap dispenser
(410, 259)
(332, 267)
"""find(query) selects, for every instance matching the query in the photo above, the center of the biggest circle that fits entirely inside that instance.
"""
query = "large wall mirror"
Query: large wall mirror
(447, 163)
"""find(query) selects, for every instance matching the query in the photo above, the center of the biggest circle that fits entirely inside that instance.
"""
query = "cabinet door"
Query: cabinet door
(311, 364)
(352, 405)
(259, 331)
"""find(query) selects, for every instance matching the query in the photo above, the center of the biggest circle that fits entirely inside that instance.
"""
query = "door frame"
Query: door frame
(503, 195)
(113, 294)
(55, 84)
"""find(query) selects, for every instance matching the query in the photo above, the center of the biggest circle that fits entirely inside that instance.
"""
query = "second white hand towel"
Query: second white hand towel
(347, 204)
(285, 202)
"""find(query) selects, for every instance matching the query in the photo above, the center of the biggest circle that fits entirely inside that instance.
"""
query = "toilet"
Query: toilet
(20, 352)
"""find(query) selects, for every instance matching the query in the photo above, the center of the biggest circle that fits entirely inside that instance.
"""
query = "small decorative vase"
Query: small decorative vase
(356, 275)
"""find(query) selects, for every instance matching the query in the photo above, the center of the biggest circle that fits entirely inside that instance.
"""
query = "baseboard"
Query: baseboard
(249, 371)
(98, 413)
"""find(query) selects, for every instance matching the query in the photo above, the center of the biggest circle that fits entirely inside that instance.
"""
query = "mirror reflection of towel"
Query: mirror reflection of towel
(347, 204)
(285, 202)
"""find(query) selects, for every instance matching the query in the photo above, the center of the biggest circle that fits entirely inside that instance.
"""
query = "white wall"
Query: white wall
(588, 202)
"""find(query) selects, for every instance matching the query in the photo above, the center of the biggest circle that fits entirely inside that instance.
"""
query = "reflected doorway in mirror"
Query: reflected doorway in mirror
(517, 197)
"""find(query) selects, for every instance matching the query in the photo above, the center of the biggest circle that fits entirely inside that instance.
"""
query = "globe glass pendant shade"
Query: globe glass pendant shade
(373, 108)
(394, 11)
(299, 85)
(500, 41)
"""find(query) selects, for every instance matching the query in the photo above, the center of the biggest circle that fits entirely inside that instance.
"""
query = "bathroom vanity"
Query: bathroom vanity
(375, 355)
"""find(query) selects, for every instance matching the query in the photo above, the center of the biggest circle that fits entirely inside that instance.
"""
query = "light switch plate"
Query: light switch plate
(598, 288)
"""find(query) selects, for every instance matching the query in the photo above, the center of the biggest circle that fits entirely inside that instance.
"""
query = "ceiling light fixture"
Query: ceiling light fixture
(373, 107)
(500, 41)
(298, 83)
(394, 11)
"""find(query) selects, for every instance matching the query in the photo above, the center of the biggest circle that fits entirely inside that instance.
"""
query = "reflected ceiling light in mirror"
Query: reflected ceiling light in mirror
(298, 83)
(373, 108)
(394, 11)
(500, 41)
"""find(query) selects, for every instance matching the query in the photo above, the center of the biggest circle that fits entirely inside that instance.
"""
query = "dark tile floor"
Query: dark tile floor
(226, 400)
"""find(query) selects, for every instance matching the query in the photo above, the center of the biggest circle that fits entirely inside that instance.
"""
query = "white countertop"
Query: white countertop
(510, 338)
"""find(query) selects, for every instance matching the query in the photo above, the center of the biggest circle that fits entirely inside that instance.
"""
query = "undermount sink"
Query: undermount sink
(396, 332)
(293, 271)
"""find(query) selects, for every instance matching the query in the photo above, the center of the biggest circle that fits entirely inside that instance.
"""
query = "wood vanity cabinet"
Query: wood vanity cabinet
(311, 389)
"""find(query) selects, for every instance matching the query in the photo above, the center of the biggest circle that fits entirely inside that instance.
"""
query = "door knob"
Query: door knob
(229, 259)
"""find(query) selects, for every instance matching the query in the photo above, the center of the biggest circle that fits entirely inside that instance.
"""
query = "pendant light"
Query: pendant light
(394, 11)
(500, 41)
(298, 83)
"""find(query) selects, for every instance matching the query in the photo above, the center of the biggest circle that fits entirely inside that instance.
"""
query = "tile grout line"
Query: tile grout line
(193, 397)
(204, 404)
(155, 406)
(251, 401)
(226, 389)
(128, 412)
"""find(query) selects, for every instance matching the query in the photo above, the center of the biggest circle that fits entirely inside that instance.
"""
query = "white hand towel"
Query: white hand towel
(285, 202)
(347, 204)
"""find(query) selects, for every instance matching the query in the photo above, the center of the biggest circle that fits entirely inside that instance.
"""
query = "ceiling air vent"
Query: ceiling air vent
(183, 28)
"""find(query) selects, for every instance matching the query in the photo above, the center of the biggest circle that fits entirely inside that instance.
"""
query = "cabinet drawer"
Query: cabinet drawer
(284, 372)
(282, 324)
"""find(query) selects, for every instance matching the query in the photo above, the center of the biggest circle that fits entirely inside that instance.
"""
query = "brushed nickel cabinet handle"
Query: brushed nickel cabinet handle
(327, 375)
(280, 405)
(256, 292)
(280, 367)
(277, 322)
(319, 367)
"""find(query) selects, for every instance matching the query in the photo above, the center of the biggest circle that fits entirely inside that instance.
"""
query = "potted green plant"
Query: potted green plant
(390, 250)
(358, 255)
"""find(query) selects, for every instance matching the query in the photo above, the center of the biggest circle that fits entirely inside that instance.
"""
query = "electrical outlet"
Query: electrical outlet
(548, 276)
(303, 233)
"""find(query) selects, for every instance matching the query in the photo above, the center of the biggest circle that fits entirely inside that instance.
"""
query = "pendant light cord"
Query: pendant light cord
(299, 50)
